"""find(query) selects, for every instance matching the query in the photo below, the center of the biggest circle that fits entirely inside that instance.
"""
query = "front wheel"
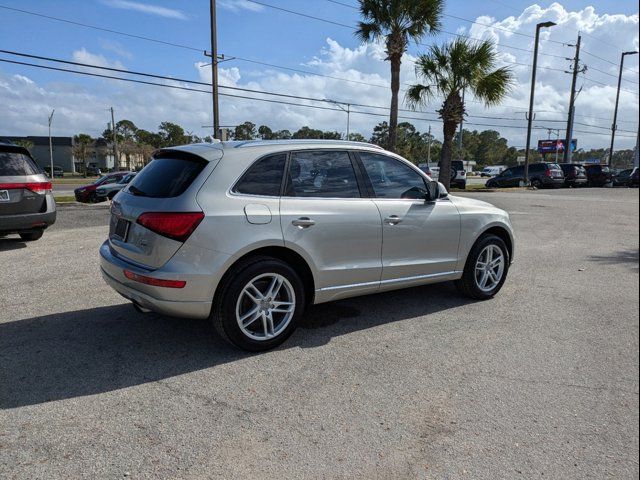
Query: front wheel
(486, 269)
(259, 304)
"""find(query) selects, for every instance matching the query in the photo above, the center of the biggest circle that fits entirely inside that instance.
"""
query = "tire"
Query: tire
(110, 195)
(232, 301)
(490, 184)
(469, 283)
(536, 183)
(31, 236)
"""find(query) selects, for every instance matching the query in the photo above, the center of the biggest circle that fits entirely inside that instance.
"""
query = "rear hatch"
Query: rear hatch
(555, 171)
(155, 213)
(23, 186)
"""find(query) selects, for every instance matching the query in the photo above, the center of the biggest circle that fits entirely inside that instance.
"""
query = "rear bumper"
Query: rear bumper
(29, 221)
(192, 301)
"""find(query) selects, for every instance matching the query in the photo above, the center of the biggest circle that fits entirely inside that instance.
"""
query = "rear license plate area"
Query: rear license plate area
(4, 196)
(121, 229)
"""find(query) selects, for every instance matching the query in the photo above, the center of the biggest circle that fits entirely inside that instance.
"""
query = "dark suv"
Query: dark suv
(26, 201)
(574, 174)
(540, 175)
(598, 175)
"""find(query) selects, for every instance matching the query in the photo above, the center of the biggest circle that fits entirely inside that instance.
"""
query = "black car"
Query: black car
(540, 175)
(57, 171)
(598, 175)
(26, 201)
(574, 174)
(621, 179)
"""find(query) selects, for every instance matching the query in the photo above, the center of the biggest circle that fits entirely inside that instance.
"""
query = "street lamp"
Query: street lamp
(51, 143)
(615, 111)
(533, 90)
(346, 110)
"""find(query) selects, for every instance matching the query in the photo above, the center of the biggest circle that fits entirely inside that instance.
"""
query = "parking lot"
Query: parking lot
(541, 381)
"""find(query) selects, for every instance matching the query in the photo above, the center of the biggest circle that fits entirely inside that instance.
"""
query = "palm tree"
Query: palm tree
(448, 70)
(397, 22)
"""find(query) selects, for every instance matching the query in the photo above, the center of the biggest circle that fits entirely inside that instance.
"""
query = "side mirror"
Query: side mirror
(433, 191)
(442, 190)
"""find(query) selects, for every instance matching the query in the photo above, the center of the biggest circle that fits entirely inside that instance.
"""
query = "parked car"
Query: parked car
(93, 170)
(633, 178)
(27, 206)
(574, 174)
(622, 178)
(540, 175)
(458, 174)
(598, 175)
(426, 169)
(491, 171)
(250, 233)
(87, 193)
(58, 172)
(109, 190)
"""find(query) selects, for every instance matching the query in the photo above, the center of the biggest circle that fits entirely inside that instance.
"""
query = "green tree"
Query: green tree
(245, 131)
(306, 132)
(171, 134)
(24, 143)
(145, 137)
(282, 135)
(265, 132)
(396, 22)
(449, 69)
(357, 137)
(82, 149)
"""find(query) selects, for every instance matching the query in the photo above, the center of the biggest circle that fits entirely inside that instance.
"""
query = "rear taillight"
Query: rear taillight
(463, 173)
(547, 173)
(156, 282)
(175, 225)
(36, 187)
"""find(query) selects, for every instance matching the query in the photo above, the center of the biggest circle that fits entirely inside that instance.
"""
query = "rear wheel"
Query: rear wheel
(486, 269)
(259, 304)
(536, 183)
(31, 236)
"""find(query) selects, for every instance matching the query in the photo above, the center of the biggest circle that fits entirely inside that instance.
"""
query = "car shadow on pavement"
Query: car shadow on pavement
(631, 257)
(7, 244)
(98, 350)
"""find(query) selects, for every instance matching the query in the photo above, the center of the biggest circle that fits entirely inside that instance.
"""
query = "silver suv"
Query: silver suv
(250, 233)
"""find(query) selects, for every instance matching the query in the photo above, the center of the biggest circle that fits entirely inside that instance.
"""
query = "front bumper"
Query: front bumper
(192, 301)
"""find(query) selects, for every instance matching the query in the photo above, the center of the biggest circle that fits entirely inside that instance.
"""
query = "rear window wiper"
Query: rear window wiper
(136, 191)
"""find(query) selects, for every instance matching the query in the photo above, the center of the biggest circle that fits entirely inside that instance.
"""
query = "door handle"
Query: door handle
(303, 222)
(392, 220)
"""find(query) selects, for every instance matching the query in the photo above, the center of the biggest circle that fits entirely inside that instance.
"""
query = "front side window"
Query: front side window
(391, 178)
(264, 177)
(325, 174)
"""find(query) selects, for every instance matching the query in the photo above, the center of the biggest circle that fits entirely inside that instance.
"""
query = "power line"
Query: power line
(117, 32)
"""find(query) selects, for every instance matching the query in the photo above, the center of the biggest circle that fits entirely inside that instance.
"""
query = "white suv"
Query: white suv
(250, 233)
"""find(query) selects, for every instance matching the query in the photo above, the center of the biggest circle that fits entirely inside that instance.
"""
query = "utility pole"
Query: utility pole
(636, 152)
(51, 143)
(116, 159)
(429, 146)
(531, 97)
(461, 125)
(214, 69)
(615, 111)
(576, 69)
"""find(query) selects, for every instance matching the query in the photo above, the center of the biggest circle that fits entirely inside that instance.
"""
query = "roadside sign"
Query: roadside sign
(552, 146)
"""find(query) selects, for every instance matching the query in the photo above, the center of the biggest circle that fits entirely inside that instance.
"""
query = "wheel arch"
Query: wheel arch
(287, 255)
(501, 232)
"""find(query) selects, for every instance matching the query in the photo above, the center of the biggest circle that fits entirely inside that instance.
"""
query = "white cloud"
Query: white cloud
(239, 5)
(84, 56)
(115, 47)
(83, 109)
(146, 8)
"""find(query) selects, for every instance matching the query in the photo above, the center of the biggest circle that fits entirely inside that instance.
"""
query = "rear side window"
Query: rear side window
(322, 174)
(17, 164)
(167, 177)
(264, 177)
(538, 167)
(391, 178)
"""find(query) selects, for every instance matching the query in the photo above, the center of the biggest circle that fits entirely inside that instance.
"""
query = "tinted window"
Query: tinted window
(264, 177)
(391, 178)
(538, 167)
(167, 177)
(14, 163)
(322, 174)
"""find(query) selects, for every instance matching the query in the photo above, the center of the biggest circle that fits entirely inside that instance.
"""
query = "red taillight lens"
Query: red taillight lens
(156, 282)
(175, 225)
(548, 173)
(36, 187)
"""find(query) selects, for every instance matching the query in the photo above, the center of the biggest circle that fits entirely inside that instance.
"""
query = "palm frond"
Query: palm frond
(494, 86)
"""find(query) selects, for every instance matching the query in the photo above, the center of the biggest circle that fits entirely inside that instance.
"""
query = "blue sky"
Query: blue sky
(251, 31)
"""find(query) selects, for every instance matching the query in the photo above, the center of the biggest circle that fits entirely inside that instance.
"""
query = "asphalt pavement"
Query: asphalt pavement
(541, 381)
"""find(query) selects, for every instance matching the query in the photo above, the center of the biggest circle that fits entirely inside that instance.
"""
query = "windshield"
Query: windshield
(127, 178)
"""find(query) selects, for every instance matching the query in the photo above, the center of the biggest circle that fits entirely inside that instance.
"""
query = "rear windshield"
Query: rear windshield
(166, 177)
(17, 164)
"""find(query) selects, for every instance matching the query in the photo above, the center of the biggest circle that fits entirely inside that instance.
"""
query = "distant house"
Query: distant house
(62, 151)
(100, 155)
